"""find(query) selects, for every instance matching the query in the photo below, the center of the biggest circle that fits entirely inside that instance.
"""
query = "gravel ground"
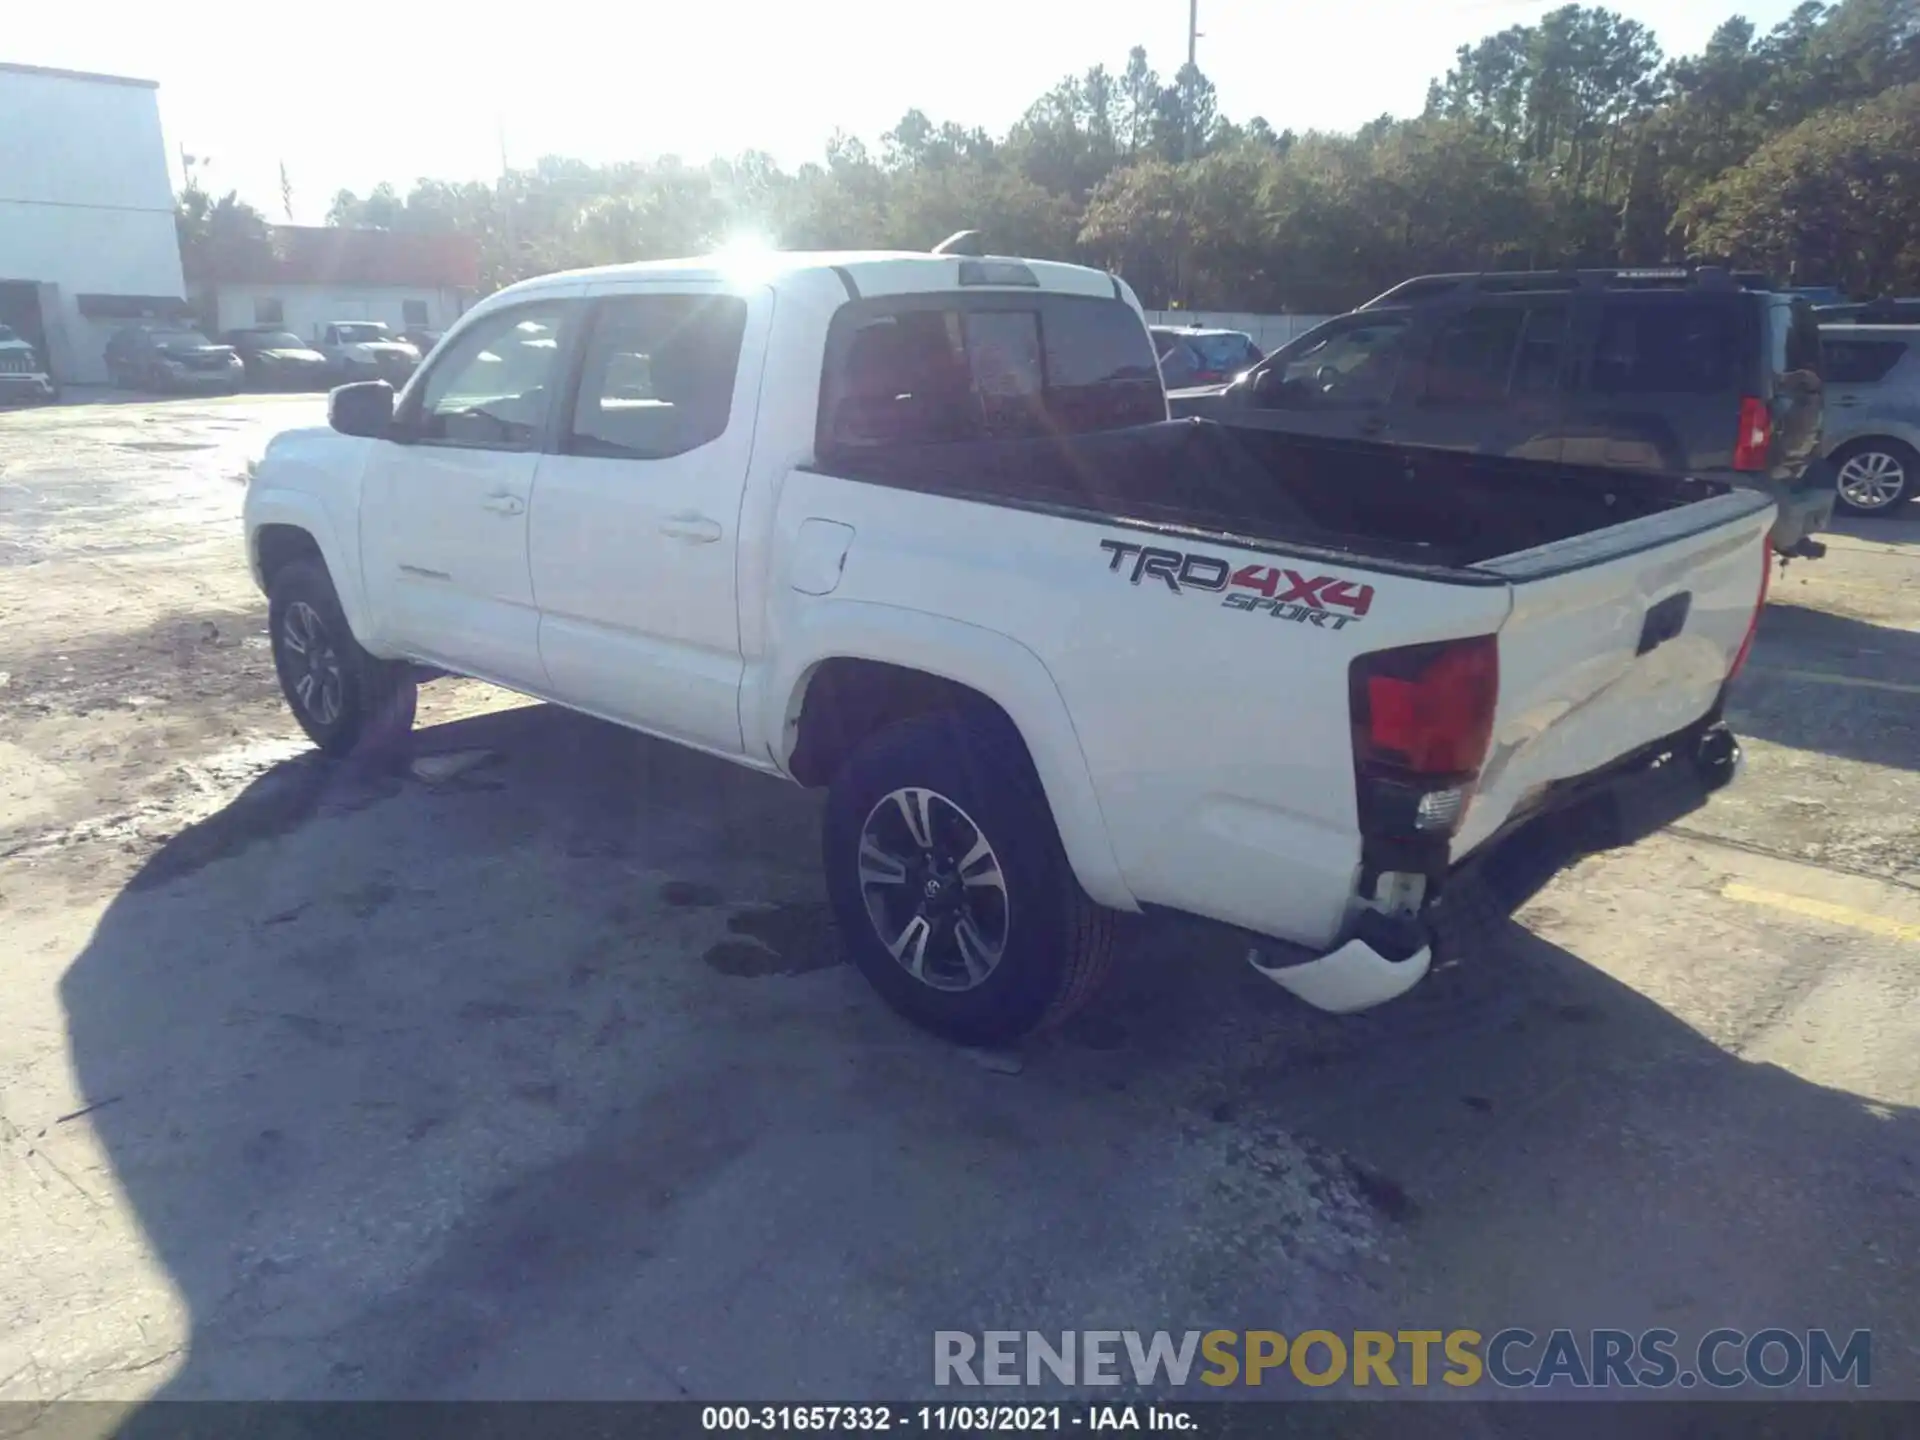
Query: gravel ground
(544, 1079)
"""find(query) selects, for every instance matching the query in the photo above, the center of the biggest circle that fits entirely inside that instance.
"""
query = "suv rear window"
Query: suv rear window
(1860, 362)
(1658, 346)
(918, 370)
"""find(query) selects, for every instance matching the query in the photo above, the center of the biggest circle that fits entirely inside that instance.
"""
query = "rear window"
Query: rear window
(918, 370)
(1225, 352)
(1860, 362)
(1657, 346)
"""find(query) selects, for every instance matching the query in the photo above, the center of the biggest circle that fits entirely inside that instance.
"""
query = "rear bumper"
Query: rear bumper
(1354, 977)
(1618, 805)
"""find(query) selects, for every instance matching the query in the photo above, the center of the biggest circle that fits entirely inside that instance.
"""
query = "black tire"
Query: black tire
(372, 700)
(1057, 944)
(1892, 459)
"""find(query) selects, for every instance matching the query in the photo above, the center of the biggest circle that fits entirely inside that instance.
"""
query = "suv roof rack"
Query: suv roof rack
(1512, 282)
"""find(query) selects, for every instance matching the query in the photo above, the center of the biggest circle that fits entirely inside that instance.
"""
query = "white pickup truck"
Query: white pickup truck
(916, 528)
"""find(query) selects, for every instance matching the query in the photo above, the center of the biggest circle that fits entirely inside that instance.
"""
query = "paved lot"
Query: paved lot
(544, 1080)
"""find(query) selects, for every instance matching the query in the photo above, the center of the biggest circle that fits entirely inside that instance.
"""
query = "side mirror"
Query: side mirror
(364, 408)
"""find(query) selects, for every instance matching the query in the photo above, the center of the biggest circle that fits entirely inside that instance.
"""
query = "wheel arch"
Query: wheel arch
(1906, 437)
(285, 526)
(866, 666)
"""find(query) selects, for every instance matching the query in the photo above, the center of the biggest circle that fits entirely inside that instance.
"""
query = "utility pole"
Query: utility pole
(505, 191)
(1187, 88)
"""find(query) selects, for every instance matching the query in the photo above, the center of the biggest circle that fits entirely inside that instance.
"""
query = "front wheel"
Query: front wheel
(344, 698)
(950, 887)
(1872, 477)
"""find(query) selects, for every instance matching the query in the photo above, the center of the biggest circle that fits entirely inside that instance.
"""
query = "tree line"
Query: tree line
(1572, 141)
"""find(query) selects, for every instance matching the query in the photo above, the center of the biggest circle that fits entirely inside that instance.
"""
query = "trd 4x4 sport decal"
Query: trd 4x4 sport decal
(1283, 594)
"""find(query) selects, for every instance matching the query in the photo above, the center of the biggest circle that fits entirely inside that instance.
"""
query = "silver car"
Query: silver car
(1872, 414)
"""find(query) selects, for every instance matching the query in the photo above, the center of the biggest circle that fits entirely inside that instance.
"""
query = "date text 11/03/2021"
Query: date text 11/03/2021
(964, 1418)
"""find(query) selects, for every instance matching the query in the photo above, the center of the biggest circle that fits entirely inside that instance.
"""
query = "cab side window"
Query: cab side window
(490, 389)
(658, 376)
(937, 371)
(1352, 363)
(1486, 354)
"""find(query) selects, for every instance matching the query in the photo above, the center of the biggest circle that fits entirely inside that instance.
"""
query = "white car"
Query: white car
(915, 528)
(366, 350)
(22, 375)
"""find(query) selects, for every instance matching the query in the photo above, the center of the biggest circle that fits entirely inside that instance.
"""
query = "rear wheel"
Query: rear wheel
(1873, 477)
(344, 698)
(949, 884)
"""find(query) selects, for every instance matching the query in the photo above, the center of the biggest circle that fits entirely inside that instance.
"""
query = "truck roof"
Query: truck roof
(859, 272)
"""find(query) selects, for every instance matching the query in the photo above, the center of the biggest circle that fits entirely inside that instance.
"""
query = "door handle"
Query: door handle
(504, 504)
(695, 528)
(1373, 425)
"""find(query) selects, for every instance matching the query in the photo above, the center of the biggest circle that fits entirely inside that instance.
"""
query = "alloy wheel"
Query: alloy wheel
(1872, 480)
(933, 889)
(314, 676)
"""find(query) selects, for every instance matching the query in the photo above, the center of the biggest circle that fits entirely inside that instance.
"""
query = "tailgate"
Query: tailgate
(1615, 639)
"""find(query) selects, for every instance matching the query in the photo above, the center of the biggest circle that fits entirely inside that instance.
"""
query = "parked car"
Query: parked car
(23, 376)
(917, 530)
(366, 350)
(171, 357)
(278, 359)
(1873, 415)
(1201, 356)
(1690, 371)
(421, 340)
(1889, 310)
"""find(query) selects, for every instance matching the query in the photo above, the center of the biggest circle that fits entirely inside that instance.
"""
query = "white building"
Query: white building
(87, 239)
(310, 276)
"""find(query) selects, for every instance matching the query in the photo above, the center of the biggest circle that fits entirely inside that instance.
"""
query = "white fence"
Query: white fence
(1269, 332)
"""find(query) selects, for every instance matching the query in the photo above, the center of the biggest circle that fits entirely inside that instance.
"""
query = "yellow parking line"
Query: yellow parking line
(1821, 677)
(1824, 910)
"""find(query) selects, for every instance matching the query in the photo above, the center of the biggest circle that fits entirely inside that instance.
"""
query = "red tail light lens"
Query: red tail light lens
(1753, 625)
(1756, 435)
(1427, 709)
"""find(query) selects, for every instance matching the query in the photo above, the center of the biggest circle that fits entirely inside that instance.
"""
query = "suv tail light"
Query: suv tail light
(1422, 723)
(1753, 625)
(1756, 435)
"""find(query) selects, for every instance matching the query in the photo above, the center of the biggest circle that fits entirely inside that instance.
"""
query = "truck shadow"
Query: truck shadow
(438, 1091)
(1873, 721)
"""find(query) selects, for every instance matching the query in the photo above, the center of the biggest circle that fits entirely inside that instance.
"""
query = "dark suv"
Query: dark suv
(1694, 371)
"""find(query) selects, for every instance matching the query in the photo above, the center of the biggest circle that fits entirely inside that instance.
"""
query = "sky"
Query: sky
(352, 97)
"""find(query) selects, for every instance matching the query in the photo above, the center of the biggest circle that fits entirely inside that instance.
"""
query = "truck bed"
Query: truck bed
(1436, 510)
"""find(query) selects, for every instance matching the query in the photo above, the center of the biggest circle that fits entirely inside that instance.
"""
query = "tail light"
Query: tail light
(1422, 724)
(1756, 435)
(1753, 625)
